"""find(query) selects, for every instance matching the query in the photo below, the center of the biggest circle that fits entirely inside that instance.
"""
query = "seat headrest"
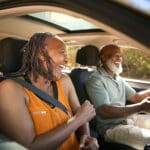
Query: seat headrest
(11, 54)
(88, 55)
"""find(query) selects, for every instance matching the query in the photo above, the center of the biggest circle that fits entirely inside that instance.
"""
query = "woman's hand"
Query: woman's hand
(85, 113)
(88, 143)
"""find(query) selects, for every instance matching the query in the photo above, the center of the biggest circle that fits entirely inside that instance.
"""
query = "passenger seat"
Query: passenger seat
(88, 56)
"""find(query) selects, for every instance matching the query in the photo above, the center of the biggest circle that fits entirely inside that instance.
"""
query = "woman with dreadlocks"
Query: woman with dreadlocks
(34, 123)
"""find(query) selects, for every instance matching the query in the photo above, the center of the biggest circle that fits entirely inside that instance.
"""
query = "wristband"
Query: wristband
(71, 119)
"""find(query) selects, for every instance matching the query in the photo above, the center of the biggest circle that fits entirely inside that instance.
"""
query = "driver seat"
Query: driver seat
(89, 56)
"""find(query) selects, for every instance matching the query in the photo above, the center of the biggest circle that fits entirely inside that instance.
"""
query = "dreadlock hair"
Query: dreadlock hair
(31, 60)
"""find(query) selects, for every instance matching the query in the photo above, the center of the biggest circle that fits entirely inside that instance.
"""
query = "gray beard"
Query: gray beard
(112, 67)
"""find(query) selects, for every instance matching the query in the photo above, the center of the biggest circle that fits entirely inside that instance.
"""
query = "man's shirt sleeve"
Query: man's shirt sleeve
(129, 91)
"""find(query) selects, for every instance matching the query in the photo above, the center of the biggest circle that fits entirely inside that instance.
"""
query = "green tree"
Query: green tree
(136, 64)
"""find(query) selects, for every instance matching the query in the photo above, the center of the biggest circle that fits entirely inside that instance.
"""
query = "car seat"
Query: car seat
(10, 55)
(88, 56)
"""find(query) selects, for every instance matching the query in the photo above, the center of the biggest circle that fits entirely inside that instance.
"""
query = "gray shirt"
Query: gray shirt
(103, 89)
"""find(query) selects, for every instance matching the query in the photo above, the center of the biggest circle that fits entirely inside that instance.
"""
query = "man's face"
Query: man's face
(115, 63)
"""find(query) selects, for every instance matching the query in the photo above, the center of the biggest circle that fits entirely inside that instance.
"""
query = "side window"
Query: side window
(71, 56)
(136, 64)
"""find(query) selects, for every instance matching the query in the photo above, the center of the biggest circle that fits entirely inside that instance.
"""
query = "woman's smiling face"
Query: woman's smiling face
(56, 50)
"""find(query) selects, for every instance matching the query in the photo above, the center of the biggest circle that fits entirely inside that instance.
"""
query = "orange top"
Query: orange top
(46, 118)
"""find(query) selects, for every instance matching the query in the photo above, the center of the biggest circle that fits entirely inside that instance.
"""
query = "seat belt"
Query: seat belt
(41, 94)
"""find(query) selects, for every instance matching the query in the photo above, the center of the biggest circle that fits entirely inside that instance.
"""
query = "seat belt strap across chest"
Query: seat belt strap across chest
(44, 96)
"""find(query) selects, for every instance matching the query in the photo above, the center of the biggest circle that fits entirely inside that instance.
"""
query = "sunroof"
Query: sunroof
(65, 21)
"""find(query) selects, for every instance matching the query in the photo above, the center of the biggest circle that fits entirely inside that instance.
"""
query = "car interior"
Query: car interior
(12, 65)
(83, 29)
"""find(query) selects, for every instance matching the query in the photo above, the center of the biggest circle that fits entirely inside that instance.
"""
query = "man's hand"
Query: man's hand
(88, 143)
(145, 103)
